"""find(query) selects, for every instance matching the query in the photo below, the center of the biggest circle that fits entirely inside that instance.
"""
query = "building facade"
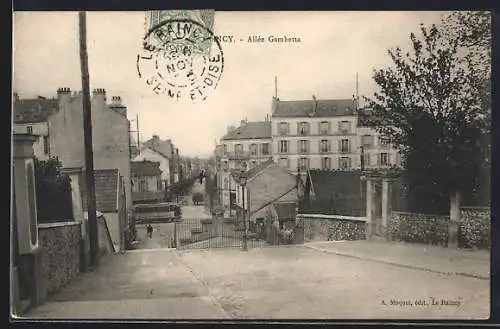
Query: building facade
(164, 152)
(30, 117)
(325, 134)
(147, 184)
(110, 134)
(244, 147)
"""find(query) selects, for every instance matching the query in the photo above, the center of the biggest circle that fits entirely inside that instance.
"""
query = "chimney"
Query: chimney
(117, 105)
(63, 97)
(274, 105)
(156, 137)
(99, 98)
(242, 122)
(315, 104)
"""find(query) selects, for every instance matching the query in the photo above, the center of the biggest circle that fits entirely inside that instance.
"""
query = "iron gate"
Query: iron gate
(216, 232)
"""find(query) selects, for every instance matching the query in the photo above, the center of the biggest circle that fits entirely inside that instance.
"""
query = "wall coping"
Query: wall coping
(341, 217)
(419, 214)
(478, 208)
(58, 224)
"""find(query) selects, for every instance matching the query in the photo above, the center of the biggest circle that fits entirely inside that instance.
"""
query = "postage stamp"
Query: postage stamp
(181, 57)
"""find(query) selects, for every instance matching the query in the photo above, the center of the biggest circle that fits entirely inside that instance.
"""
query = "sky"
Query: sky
(334, 47)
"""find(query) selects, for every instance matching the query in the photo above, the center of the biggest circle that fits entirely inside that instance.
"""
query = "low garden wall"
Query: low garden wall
(418, 228)
(475, 227)
(59, 245)
(319, 227)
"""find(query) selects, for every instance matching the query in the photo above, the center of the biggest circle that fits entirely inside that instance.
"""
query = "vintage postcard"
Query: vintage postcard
(198, 164)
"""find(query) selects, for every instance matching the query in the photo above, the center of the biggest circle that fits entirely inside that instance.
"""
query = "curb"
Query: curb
(480, 277)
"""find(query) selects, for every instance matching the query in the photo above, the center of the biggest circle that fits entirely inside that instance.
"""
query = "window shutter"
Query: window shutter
(298, 147)
(388, 158)
(340, 163)
(349, 145)
(329, 125)
(288, 162)
(298, 128)
(308, 126)
(340, 146)
(319, 128)
(349, 162)
(379, 159)
(340, 126)
(319, 147)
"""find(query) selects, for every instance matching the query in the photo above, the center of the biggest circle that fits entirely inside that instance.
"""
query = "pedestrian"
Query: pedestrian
(149, 229)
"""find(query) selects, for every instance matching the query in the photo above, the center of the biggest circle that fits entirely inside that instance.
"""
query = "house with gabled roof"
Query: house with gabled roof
(147, 185)
(247, 145)
(268, 184)
(110, 201)
(165, 153)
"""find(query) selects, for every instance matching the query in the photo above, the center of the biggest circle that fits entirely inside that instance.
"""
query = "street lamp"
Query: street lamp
(243, 183)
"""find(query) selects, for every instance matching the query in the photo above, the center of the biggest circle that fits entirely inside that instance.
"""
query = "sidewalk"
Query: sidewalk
(415, 256)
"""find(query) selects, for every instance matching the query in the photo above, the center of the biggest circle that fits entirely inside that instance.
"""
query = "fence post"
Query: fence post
(175, 234)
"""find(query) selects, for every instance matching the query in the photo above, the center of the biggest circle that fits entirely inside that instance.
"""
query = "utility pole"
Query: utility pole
(87, 131)
(137, 131)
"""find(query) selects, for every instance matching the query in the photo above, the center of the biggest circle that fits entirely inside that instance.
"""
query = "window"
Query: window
(345, 127)
(326, 163)
(384, 159)
(225, 166)
(366, 160)
(303, 146)
(383, 141)
(225, 148)
(283, 162)
(29, 130)
(46, 145)
(265, 149)
(367, 140)
(283, 146)
(238, 148)
(324, 128)
(303, 128)
(253, 149)
(344, 163)
(324, 146)
(344, 146)
(143, 186)
(283, 128)
(303, 163)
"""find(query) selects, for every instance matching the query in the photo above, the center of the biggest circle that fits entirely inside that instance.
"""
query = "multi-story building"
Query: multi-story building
(246, 146)
(325, 134)
(30, 117)
(110, 134)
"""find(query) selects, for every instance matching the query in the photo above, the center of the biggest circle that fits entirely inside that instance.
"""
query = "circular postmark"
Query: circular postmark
(181, 58)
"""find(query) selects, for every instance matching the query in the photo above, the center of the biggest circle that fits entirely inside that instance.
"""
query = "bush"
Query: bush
(53, 192)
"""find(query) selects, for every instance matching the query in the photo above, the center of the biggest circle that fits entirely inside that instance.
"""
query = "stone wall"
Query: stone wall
(418, 228)
(59, 254)
(332, 227)
(475, 227)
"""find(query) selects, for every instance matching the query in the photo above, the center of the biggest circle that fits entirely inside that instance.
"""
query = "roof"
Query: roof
(285, 210)
(145, 168)
(252, 172)
(147, 196)
(325, 108)
(165, 148)
(250, 130)
(106, 190)
(258, 168)
(327, 183)
(33, 110)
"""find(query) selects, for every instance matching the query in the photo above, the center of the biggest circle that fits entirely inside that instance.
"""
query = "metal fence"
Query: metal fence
(216, 232)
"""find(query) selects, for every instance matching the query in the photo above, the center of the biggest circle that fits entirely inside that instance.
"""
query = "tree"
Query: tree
(429, 105)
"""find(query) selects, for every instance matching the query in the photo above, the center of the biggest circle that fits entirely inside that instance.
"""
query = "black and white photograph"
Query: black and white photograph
(250, 165)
